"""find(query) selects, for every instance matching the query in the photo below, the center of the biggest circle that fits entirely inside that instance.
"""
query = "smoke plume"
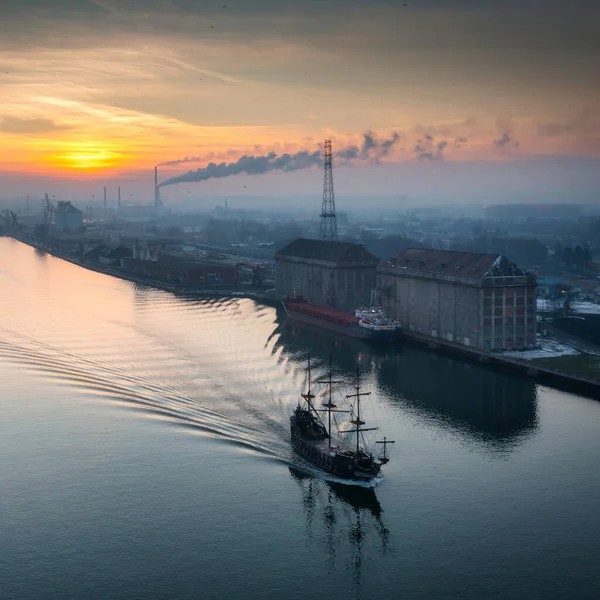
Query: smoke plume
(181, 161)
(504, 140)
(427, 149)
(371, 149)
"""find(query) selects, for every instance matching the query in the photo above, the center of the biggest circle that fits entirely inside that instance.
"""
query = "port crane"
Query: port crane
(48, 212)
(13, 223)
(10, 221)
(41, 229)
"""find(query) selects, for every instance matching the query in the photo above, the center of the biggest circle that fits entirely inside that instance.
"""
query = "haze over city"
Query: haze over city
(475, 96)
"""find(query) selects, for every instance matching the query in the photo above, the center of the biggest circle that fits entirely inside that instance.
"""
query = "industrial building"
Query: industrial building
(181, 271)
(329, 273)
(67, 217)
(482, 301)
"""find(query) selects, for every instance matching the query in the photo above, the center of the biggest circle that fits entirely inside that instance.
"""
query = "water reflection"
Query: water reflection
(495, 407)
(350, 519)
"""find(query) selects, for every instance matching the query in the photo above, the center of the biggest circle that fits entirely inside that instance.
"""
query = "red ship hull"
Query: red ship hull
(325, 317)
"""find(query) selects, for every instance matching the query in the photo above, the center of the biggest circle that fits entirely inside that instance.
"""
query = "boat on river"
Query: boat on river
(369, 323)
(344, 454)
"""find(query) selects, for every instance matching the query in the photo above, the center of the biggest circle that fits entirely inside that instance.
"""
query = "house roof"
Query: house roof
(459, 264)
(328, 251)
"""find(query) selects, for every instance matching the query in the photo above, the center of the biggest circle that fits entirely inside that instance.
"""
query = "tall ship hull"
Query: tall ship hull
(337, 320)
(315, 441)
(333, 460)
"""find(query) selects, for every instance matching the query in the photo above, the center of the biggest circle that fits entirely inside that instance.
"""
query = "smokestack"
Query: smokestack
(156, 189)
(119, 197)
(104, 198)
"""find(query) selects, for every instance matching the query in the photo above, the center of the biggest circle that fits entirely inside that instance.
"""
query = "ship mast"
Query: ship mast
(329, 405)
(384, 459)
(358, 422)
(309, 396)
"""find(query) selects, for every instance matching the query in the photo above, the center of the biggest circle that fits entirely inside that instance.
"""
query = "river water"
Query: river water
(144, 453)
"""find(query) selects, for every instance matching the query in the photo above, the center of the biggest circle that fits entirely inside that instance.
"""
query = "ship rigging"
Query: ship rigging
(315, 441)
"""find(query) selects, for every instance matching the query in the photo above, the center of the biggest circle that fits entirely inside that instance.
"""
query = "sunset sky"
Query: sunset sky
(96, 92)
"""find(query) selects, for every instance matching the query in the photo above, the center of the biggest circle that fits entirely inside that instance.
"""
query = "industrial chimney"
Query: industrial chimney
(119, 197)
(156, 189)
(104, 199)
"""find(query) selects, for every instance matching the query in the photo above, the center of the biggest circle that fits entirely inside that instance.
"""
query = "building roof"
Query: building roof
(459, 264)
(171, 262)
(119, 252)
(327, 251)
(96, 252)
(66, 207)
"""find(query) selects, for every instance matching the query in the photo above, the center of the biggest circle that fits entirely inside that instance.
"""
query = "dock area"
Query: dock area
(568, 381)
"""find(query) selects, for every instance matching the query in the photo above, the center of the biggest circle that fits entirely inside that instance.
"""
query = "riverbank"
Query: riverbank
(563, 374)
(207, 290)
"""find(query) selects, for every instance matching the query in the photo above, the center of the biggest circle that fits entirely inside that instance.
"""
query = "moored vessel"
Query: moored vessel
(374, 320)
(347, 458)
(366, 323)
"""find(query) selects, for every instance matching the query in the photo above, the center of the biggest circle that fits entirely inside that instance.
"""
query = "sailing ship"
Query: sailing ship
(313, 440)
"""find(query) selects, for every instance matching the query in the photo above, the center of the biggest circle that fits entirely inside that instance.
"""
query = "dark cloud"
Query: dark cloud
(29, 126)
(506, 141)
(459, 141)
(558, 42)
(427, 149)
(586, 123)
(371, 150)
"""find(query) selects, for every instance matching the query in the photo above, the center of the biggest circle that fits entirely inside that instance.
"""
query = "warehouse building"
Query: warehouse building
(67, 217)
(178, 271)
(483, 301)
(336, 274)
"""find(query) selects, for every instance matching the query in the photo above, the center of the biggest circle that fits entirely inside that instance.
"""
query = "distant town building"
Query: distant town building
(116, 256)
(67, 217)
(483, 301)
(337, 274)
(547, 210)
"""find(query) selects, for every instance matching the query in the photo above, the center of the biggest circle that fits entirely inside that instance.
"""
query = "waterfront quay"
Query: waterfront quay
(172, 274)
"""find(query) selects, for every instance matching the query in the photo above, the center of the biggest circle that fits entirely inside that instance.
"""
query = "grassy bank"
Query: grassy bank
(581, 365)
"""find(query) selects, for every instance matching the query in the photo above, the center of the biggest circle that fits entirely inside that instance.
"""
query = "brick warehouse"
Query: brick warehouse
(337, 274)
(483, 301)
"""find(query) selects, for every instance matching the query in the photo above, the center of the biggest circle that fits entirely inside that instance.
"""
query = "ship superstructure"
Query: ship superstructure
(373, 318)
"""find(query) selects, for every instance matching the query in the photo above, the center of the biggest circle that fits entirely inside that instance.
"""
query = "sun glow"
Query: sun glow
(88, 158)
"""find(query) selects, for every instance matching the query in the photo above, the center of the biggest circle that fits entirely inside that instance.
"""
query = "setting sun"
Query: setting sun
(88, 159)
